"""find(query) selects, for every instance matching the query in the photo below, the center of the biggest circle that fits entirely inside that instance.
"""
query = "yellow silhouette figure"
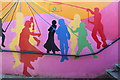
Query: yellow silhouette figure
(15, 41)
(74, 24)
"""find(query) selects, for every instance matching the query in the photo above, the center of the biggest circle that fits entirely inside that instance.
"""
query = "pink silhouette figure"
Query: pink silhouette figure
(98, 28)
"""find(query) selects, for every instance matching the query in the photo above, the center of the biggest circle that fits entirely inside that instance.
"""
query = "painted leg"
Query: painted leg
(94, 35)
(30, 66)
(62, 51)
(16, 57)
(17, 61)
(25, 72)
(48, 51)
(73, 45)
(38, 41)
(103, 38)
(78, 52)
(53, 52)
(66, 50)
(90, 48)
(62, 59)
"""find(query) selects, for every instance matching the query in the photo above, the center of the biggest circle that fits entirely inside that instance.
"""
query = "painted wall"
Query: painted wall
(59, 28)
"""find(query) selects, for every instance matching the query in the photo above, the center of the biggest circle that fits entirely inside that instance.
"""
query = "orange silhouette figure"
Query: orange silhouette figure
(98, 28)
(25, 45)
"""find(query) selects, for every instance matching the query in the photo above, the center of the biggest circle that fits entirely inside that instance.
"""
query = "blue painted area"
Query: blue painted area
(63, 37)
(54, 8)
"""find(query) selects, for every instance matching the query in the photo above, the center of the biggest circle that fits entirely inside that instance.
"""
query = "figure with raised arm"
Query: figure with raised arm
(82, 39)
(98, 28)
(63, 37)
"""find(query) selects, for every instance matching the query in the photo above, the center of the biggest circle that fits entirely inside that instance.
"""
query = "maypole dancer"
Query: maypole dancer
(74, 24)
(98, 28)
(33, 27)
(1, 21)
(26, 45)
(17, 30)
(6, 6)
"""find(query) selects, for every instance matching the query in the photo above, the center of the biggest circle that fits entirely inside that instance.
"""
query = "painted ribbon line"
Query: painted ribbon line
(12, 16)
(35, 19)
(8, 13)
(67, 4)
(50, 15)
(6, 5)
(37, 13)
(43, 10)
(64, 54)
(6, 9)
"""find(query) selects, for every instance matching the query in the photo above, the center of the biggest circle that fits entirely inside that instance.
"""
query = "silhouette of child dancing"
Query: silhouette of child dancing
(50, 45)
(82, 39)
(98, 28)
(74, 24)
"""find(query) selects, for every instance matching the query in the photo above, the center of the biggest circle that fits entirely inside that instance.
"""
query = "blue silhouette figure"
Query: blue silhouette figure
(63, 37)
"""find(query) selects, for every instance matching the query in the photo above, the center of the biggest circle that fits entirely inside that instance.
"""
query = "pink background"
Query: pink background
(84, 67)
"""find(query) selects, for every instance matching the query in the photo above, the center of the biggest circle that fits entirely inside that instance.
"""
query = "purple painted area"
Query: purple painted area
(50, 66)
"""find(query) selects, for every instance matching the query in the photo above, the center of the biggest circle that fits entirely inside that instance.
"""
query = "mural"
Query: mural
(2, 34)
(64, 28)
(50, 45)
(98, 27)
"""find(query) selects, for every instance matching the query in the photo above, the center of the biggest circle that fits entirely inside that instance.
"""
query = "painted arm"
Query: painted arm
(50, 29)
(75, 31)
(35, 34)
(88, 17)
(58, 30)
(3, 30)
(33, 27)
(90, 11)
(90, 22)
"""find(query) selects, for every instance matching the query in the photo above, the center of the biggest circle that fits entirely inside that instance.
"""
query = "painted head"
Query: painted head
(27, 24)
(31, 19)
(54, 22)
(96, 9)
(61, 21)
(77, 17)
(82, 24)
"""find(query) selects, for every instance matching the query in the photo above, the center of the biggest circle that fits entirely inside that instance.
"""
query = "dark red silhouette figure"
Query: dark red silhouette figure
(98, 28)
(25, 45)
